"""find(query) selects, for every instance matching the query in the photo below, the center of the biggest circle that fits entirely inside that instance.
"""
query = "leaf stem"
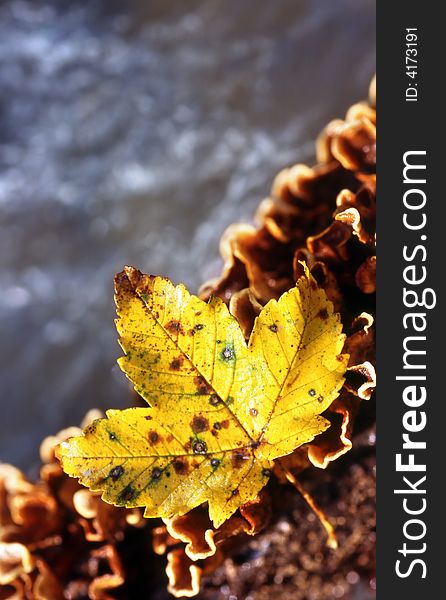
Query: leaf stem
(332, 541)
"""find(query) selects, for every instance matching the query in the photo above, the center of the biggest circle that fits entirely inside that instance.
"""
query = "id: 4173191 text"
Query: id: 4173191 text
(411, 53)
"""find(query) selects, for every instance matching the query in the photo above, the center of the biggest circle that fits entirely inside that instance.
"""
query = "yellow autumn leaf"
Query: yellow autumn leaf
(220, 409)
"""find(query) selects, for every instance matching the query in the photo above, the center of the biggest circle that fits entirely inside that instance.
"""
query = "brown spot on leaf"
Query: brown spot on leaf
(199, 424)
(273, 328)
(217, 425)
(198, 327)
(253, 412)
(154, 437)
(323, 314)
(225, 423)
(121, 279)
(173, 327)
(156, 473)
(214, 400)
(238, 458)
(180, 466)
(169, 438)
(202, 387)
(175, 365)
(127, 495)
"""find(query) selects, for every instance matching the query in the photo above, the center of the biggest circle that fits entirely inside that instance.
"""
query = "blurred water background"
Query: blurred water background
(134, 133)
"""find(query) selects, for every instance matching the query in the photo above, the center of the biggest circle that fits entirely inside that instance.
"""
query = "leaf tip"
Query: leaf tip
(62, 454)
(126, 277)
(134, 275)
(306, 270)
(58, 452)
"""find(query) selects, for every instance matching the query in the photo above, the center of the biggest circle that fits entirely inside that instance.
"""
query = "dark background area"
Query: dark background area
(134, 135)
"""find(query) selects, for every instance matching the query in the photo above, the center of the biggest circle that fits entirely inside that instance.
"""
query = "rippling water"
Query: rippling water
(135, 135)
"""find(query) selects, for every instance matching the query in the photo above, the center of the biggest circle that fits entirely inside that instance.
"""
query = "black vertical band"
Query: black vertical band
(411, 331)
